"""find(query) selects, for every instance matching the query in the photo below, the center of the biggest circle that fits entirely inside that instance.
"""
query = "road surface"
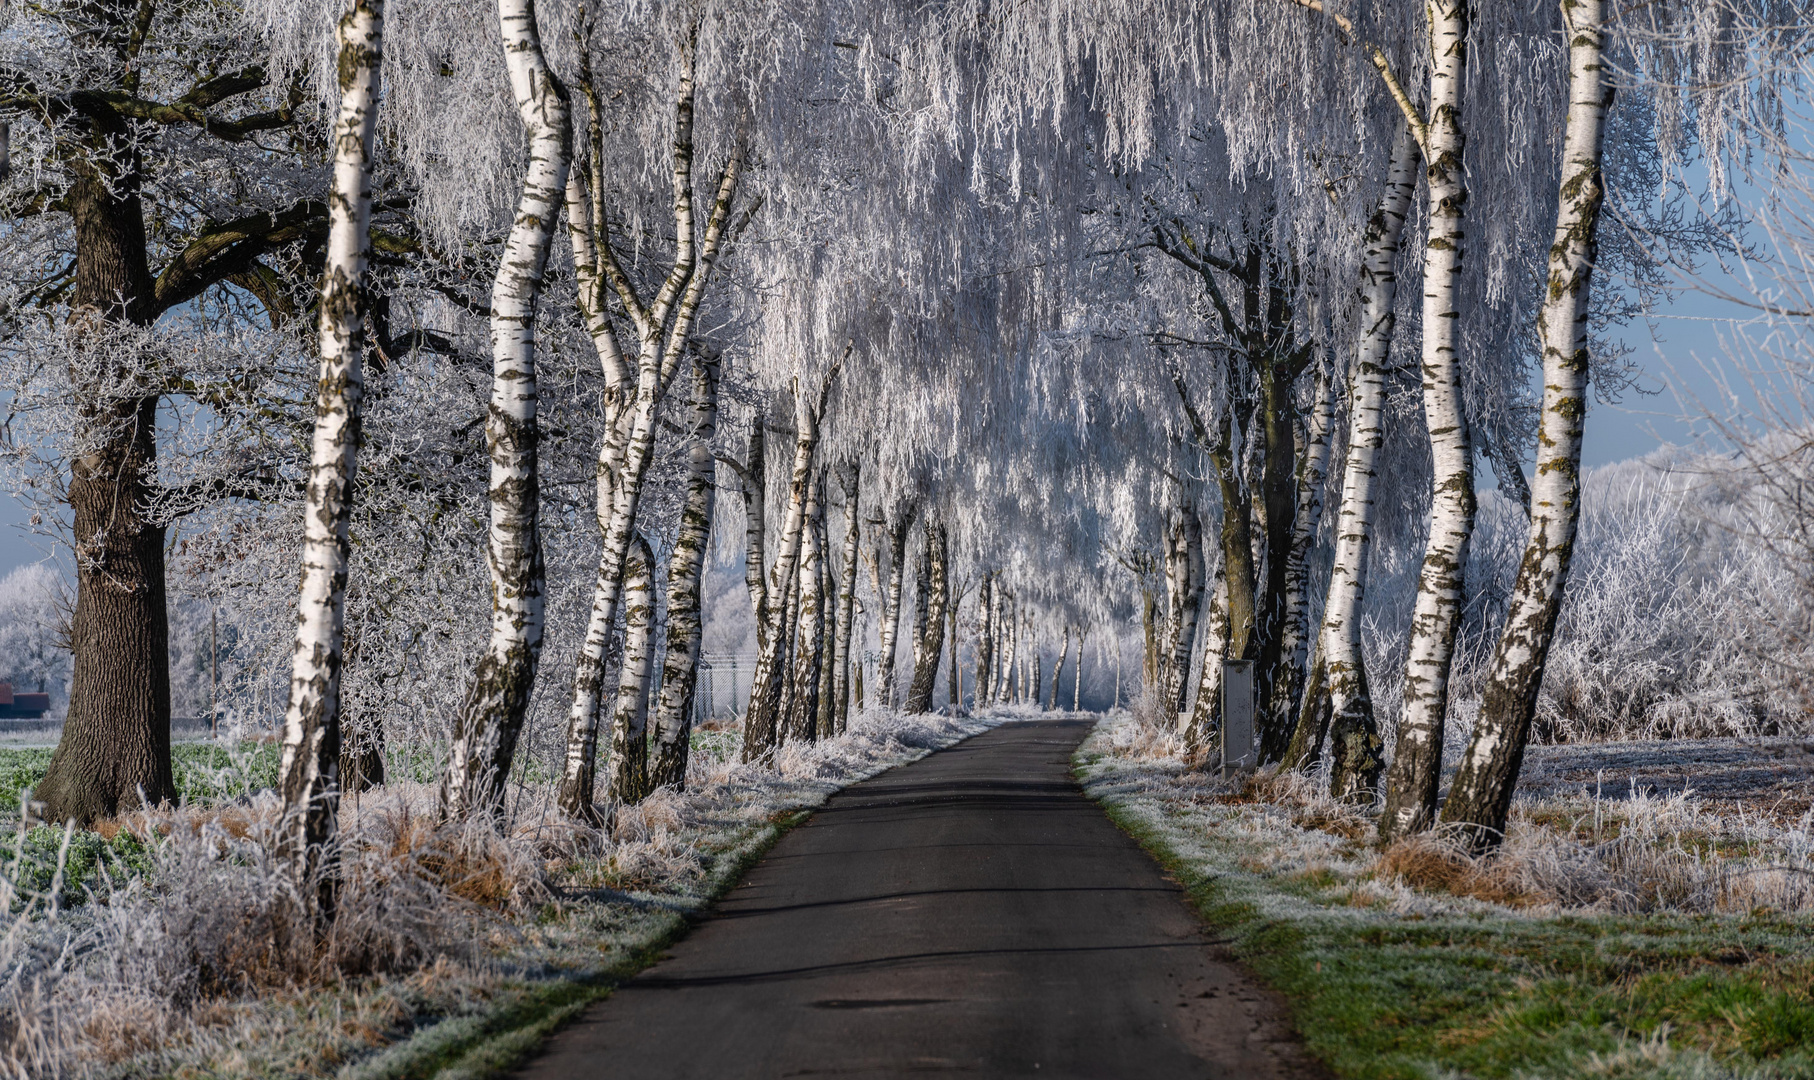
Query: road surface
(971, 913)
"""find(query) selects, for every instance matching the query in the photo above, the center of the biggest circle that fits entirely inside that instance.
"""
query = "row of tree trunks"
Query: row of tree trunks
(765, 720)
(932, 594)
(664, 327)
(1337, 693)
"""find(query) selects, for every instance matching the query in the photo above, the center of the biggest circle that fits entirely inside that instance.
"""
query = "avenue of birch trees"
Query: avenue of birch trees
(937, 348)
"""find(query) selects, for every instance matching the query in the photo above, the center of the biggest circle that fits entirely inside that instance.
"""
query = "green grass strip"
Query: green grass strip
(1380, 995)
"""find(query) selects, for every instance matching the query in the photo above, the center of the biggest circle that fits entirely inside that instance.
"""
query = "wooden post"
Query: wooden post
(1237, 716)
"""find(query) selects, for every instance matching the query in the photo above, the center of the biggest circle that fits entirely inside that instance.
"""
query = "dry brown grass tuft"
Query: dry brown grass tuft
(1431, 862)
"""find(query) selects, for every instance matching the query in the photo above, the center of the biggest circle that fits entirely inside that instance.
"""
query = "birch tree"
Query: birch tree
(311, 737)
(1481, 794)
(1418, 759)
(932, 596)
(762, 722)
(680, 663)
(1338, 681)
(985, 639)
(849, 480)
(630, 711)
(491, 719)
(663, 326)
(808, 630)
(1077, 675)
(896, 558)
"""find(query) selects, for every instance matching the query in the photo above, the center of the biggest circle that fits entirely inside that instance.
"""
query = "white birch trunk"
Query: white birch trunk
(1206, 713)
(1077, 676)
(1338, 679)
(630, 713)
(954, 672)
(828, 636)
(680, 664)
(803, 716)
(754, 480)
(985, 643)
(762, 722)
(1411, 786)
(1011, 653)
(849, 479)
(590, 665)
(891, 606)
(311, 731)
(932, 594)
(663, 327)
(1313, 470)
(1481, 794)
(489, 722)
(1064, 647)
(1022, 694)
(1190, 601)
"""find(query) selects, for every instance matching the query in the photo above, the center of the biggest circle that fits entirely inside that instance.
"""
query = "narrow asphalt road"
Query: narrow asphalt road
(970, 913)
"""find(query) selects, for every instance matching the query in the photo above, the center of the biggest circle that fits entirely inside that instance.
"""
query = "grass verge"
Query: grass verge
(1467, 988)
(522, 1017)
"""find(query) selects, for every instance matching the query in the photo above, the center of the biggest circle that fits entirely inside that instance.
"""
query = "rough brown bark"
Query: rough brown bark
(115, 748)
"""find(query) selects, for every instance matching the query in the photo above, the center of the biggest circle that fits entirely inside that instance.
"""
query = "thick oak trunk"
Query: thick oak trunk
(114, 753)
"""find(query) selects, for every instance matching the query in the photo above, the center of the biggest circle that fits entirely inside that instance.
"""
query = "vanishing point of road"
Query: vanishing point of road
(971, 913)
